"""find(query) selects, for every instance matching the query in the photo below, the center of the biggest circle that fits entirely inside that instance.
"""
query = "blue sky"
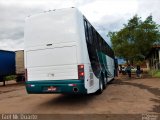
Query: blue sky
(104, 15)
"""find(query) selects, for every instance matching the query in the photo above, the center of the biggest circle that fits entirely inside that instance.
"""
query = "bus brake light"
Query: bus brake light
(81, 72)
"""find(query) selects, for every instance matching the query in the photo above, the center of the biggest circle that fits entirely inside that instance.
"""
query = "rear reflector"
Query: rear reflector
(81, 72)
(72, 85)
(30, 85)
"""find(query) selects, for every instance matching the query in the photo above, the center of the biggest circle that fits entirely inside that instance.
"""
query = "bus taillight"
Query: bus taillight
(26, 76)
(81, 72)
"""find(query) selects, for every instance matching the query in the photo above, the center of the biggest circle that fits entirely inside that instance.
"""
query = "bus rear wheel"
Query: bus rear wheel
(100, 86)
(104, 83)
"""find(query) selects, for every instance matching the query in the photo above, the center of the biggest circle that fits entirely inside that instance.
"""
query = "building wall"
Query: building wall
(154, 59)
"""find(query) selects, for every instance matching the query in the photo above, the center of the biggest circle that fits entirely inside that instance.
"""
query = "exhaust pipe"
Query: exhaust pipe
(75, 89)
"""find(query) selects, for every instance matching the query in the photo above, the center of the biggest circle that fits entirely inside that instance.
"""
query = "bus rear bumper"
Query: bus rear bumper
(56, 86)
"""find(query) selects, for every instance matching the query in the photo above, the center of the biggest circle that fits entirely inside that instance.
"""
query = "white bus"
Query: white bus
(65, 54)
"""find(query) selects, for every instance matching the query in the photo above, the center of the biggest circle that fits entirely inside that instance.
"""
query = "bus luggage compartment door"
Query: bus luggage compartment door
(52, 64)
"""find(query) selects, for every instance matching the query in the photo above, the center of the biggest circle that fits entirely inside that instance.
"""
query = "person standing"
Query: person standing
(128, 70)
(138, 71)
(120, 68)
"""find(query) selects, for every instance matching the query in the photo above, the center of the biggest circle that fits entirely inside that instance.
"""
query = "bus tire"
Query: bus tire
(100, 90)
(105, 83)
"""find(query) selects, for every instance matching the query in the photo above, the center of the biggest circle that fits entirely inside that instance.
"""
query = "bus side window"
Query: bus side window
(94, 39)
(97, 43)
(86, 30)
(90, 33)
(100, 43)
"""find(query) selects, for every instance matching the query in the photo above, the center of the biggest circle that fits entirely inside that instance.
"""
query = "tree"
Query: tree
(135, 39)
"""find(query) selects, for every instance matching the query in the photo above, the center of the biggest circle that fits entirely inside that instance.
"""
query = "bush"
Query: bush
(10, 77)
(155, 73)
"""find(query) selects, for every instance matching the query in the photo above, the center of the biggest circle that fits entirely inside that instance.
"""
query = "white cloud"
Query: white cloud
(105, 15)
(145, 8)
(9, 44)
(100, 8)
(42, 4)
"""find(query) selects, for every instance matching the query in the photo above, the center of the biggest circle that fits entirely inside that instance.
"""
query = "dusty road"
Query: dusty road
(122, 96)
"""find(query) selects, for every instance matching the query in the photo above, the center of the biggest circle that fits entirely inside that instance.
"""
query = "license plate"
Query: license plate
(51, 88)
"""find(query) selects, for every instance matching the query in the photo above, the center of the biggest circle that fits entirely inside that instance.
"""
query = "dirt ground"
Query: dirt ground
(122, 96)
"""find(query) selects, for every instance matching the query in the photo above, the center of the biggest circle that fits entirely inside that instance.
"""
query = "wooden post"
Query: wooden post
(4, 82)
(3, 79)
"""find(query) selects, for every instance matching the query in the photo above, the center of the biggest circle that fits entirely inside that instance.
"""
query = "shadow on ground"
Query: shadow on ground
(155, 91)
(12, 84)
(11, 87)
(70, 99)
(73, 102)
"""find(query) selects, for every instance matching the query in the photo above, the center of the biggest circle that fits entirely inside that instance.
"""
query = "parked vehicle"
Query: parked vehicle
(7, 64)
(65, 54)
(123, 70)
(133, 70)
(12, 63)
(20, 71)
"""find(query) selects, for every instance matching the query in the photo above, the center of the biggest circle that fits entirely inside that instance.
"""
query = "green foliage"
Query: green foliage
(155, 73)
(10, 77)
(135, 39)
